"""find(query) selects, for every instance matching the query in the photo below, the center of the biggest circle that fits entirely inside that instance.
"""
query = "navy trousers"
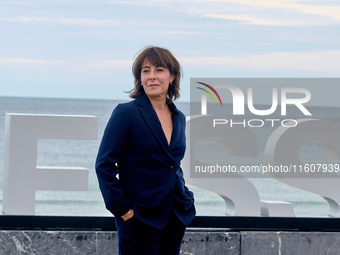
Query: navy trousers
(136, 237)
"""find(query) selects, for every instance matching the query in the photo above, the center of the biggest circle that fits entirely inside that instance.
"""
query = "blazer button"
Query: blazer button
(171, 168)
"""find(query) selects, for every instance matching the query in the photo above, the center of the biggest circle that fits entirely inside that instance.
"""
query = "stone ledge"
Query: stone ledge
(197, 242)
(58, 242)
(302, 243)
(212, 243)
(106, 243)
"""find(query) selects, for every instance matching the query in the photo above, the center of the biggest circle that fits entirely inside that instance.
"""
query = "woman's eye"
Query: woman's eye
(145, 71)
(160, 70)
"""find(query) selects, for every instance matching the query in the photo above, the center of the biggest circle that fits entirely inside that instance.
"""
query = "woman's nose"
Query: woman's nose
(152, 75)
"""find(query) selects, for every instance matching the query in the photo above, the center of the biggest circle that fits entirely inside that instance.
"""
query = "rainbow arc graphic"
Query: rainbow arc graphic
(209, 93)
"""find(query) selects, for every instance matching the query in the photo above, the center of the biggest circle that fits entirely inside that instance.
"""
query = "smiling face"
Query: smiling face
(155, 80)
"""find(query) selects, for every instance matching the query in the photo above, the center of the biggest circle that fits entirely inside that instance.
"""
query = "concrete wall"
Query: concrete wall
(195, 242)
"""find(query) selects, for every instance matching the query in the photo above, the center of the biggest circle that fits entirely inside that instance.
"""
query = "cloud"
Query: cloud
(318, 60)
(248, 19)
(25, 19)
(330, 11)
(327, 61)
(63, 64)
(23, 3)
(107, 64)
(139, 3)
(180, 32)
(259, 12)
(21, 61)
(87, 22)
(65, 21)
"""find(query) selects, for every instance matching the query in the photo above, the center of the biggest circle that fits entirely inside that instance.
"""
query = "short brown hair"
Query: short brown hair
(159, 57)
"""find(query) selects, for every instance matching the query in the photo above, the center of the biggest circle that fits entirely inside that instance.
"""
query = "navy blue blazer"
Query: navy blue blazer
(150, 180)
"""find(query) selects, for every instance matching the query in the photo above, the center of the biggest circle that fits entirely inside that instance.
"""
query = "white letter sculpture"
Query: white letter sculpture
(22, 176)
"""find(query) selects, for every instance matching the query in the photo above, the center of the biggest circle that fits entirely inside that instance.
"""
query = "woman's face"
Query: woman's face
(155, 80)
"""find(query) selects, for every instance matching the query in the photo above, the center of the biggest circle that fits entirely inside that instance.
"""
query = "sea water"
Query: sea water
(83, 154)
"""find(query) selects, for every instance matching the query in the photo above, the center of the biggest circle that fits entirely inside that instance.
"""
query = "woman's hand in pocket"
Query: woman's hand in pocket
(128, 215)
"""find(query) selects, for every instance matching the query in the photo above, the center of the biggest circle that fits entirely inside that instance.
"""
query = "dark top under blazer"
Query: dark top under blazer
(150, 177)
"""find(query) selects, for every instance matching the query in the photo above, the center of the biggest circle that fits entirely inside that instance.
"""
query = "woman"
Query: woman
(144, 143)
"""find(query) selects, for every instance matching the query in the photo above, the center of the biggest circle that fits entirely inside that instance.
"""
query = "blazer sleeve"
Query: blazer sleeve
(110, 151)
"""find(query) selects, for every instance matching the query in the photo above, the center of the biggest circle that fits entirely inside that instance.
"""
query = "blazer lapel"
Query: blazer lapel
(153, 123)
(176, 125)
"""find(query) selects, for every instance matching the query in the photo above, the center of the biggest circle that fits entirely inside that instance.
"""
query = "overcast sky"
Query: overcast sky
(85, 48)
